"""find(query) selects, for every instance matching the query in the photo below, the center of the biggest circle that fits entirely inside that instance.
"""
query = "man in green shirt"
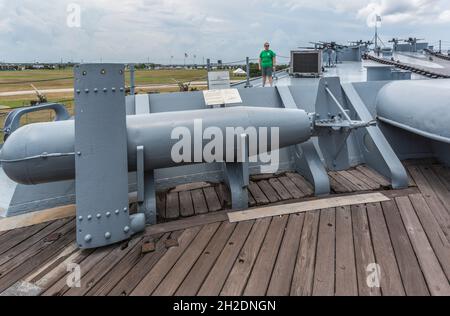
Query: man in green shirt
(267, 63)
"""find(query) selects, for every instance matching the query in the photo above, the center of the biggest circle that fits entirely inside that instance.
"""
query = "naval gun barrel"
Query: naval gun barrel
(45, 152)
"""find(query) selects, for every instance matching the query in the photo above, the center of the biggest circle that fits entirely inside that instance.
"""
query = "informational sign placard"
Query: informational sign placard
(222, 97)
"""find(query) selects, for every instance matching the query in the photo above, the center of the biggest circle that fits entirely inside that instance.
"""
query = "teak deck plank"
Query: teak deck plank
(292, 188)
(262, 271)
(212, 200)
(438, 187)
(258, 194)
(435, 235)
(269, 191)
(412, 276)
(60, 287)
(325, 259)
(303, 278)
(151, 281)
(350, 187)
(57, 268)
(172, 206)
(37, 258)
(301, 183)
(175, 277)
(161, 204)
(280, 189)
(116, 274)
(443, 174)
(361, 185)
(30, 242)
(143, 267)
(435, 277)
(346, 280)
(104, 267)
(280, 283)
(199, 201)
(390, 281)
(239, 274)
(371, 183)
(200, 270)
(439, 209)
(372, 174)
(223, 192)
(217, 277)
(327, 250)
(14, 237)
(364, 253)
(186, 205)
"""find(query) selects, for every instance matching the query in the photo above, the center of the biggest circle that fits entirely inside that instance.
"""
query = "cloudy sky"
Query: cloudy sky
(138, 30)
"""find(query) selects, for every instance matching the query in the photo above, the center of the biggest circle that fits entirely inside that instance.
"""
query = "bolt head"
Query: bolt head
(89, 217)
(125, 209)
(88, 238)
(117, 212)
(80, 218)
(108, 214)
(126, 229)
(108, 235)
(99, 215)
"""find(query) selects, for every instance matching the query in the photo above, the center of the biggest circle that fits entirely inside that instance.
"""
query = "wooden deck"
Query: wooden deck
(328, 252)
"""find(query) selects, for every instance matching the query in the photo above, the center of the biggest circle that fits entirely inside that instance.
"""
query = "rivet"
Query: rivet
(95, 90)
(125, 209)
(88, 238)
(99, 215)
(89, 217)
(108, 235)
(121, 89)
(78, 91)
(86, 90)
(108, 214)
(117, 212)
(105, 90)
(126, 229)
(113, 89)
(80, 218)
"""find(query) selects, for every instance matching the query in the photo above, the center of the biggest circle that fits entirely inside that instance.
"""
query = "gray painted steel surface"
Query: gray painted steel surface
(426, 112)
(51, 145)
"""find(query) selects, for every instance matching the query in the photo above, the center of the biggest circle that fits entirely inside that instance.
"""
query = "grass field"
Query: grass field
(20, 80)
(63, 79)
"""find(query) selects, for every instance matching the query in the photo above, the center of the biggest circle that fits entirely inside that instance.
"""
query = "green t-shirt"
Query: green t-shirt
(267, 58)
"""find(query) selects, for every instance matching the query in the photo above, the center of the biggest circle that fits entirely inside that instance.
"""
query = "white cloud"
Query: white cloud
(123, 30)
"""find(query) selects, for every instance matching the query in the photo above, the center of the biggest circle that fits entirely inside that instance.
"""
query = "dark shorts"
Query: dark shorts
(267, 72)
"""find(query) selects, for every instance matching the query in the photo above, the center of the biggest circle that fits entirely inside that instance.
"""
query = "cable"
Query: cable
(42, 156)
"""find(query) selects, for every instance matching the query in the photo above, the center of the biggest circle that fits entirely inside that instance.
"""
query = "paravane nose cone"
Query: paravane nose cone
(419, 106)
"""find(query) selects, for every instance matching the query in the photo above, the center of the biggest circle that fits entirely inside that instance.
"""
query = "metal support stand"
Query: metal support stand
(377, 151)
(307, 159)
(132, 80)
(329, 110)
(248, 85)
(101, 157)
(237, 175)
(146, 189)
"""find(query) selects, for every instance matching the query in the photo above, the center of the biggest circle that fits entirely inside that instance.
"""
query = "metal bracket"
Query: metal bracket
(12, 121)
(101, 157)
(307, 159)
(146, 189)
(237, 175)
(377, 151)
